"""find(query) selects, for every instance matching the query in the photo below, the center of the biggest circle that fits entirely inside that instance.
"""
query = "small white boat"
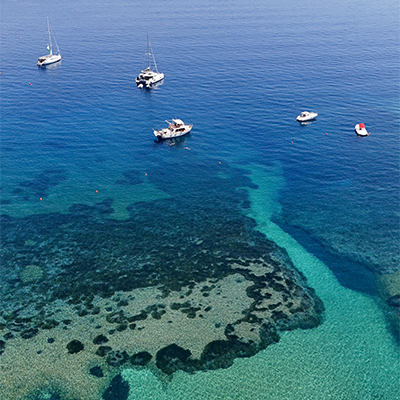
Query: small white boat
(175, 129)
(361, 130)
(306, 116)
(49, 58)
(147, 77)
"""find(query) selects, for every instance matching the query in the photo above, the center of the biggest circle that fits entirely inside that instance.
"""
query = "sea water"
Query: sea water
(240, 72)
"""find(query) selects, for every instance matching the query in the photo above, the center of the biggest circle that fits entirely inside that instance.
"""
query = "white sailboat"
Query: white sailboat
(49, 58)
(149, 78)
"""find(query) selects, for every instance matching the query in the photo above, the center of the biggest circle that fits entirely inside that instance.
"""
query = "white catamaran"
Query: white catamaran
(148, 78)
(49, 58)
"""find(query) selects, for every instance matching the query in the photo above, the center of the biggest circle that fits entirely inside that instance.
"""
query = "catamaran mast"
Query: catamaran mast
(48, 28)
(150, 52)
(154, 60)
(148, 48)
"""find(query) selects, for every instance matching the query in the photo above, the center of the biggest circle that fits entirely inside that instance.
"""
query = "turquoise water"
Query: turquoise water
(350, 356)
(81, 134)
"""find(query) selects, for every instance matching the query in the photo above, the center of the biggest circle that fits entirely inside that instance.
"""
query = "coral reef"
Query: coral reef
(182, 283)
(31, 273)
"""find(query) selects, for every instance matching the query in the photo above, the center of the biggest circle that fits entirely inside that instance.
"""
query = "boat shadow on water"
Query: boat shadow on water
(305, 123)
(153, 86)
(49, 67)
(178, 141)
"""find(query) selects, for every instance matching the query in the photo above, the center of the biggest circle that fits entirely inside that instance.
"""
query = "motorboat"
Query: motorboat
(361, 130)
(49, 58)
(306, 116)
(176, 128)
(149, 77)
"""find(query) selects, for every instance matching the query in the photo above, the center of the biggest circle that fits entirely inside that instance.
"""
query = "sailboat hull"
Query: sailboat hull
(48, 59)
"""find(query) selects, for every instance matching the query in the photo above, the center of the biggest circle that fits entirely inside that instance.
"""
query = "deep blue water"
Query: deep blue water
(241, 77)
(240, 72)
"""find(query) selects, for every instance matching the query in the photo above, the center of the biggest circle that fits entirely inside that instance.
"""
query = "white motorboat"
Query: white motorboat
(306, 116)
(175, 129)
(361, 130)
(49, 58)
(149, 78)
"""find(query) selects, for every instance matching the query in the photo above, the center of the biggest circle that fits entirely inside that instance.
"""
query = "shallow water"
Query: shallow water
(81, 134)
(348, 357)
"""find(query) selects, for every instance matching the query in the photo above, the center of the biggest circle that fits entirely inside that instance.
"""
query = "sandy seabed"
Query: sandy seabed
(48, 366)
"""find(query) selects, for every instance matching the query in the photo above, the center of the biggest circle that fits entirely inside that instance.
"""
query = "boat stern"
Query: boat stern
(41, 61)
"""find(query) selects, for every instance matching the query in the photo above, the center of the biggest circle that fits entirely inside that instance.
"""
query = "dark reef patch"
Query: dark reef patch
(394, 301)
(117, 390)
(217, 354)
(100, 339)
(75, 346)
(102, 351)
(141, 358)
(29, 333)
(117, 358)
(96, 371)
(171, 358)
(39, 185)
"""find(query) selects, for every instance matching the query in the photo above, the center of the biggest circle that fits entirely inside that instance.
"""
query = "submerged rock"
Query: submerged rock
(394, 301)
(141, 358)
(96, 371)
(118, 389)
(75, 346)
(100, 339)
(29, 333)
(102, 351)
(117, 358)
(171, 358)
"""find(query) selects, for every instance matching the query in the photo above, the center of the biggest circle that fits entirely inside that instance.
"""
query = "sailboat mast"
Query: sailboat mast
(48, 28)
(56, 43)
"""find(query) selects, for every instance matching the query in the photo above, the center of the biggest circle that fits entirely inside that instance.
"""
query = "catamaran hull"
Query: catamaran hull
(163, 134)
(148, 84)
